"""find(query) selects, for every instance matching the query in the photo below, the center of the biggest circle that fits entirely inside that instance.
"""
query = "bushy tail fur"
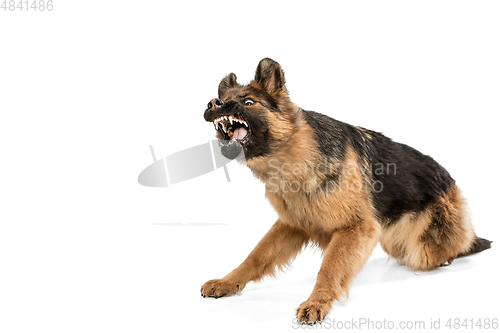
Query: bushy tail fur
(479, 244)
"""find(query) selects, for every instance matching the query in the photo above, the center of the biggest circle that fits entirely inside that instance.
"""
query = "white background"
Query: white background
(86, 88)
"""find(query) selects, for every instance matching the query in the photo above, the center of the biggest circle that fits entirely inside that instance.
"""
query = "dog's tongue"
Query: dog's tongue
(239, 133)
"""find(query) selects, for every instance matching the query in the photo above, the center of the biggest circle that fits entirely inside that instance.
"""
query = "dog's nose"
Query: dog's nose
(214, 104)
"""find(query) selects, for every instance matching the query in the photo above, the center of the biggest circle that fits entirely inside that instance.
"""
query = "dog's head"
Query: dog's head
(257, 117)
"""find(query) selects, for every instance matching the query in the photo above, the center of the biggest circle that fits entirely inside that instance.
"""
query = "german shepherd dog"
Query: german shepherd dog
(341, 187)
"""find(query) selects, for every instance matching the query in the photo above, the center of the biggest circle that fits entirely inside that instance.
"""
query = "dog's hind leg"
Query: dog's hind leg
(434, 236)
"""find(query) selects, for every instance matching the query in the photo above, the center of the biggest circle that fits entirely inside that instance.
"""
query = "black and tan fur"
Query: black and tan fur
(409, 203)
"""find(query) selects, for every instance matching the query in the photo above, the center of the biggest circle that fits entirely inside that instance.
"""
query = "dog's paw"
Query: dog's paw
(218, 288)
(311, 312)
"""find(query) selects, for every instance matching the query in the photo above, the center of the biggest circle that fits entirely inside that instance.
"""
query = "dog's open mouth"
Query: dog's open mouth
(232, 128)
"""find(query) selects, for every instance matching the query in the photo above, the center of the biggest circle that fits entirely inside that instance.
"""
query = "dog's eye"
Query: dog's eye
(248, 101)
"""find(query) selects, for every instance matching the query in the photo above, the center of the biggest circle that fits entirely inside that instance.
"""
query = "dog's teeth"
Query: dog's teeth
(225, 123)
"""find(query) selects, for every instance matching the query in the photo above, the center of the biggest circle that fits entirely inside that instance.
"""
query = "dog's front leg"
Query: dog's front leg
(280, 245)
(344, 256)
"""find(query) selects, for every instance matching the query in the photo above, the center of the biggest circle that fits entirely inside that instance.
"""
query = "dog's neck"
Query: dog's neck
(293, 159)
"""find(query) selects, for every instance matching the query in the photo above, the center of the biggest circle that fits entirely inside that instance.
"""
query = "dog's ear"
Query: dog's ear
(227, 83)
(270, 76)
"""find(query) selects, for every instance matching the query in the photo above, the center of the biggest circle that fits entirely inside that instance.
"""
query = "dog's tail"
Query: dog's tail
(478, 245)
